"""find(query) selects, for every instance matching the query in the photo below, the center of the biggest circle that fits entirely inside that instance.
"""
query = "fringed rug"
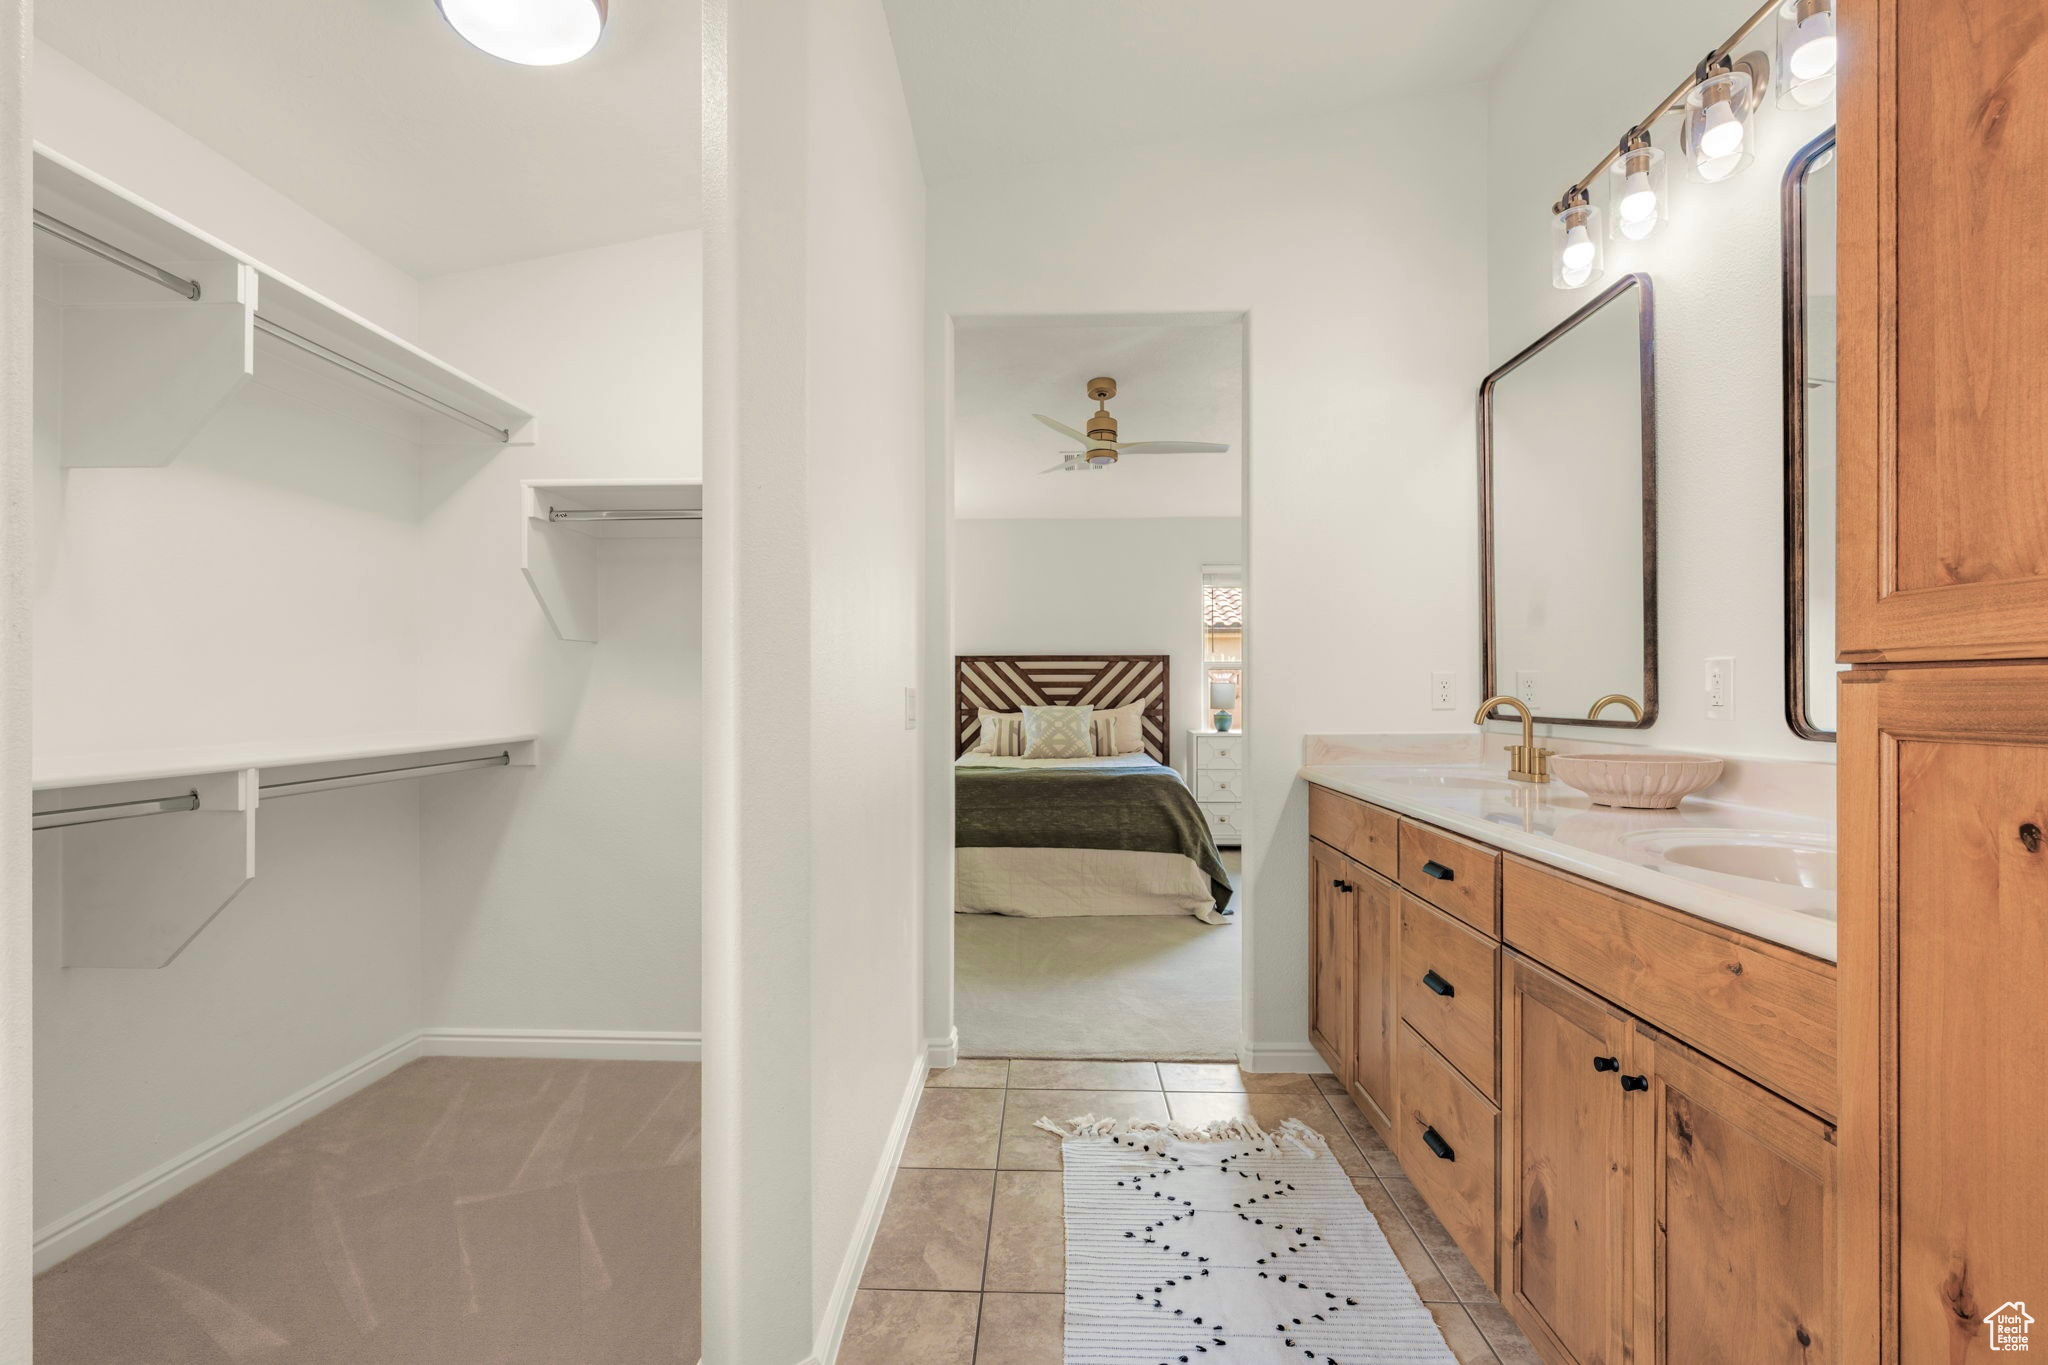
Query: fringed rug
(1225, 1243)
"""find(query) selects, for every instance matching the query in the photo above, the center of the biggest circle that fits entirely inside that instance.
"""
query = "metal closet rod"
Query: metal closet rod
(168, 805)
(178, 284)
(626, 514)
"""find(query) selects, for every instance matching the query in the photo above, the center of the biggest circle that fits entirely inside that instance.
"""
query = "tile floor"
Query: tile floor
(970, 1263)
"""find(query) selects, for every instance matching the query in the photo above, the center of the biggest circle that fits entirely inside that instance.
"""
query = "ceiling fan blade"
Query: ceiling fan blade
(1062, 428)
(1173, 448)
(1059, 468)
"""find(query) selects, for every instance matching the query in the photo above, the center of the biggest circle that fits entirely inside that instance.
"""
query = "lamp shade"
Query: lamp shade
(1222, 694)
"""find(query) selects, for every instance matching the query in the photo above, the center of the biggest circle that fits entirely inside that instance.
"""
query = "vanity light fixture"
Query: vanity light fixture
(529, 32)
(1639, 195)
(1806, 53)
(1574, 240)
(1716, 135)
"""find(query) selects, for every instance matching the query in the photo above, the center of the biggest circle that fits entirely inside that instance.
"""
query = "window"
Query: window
(1223, 652)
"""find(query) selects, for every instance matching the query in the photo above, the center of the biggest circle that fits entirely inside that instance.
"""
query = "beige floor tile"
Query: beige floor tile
(934, 1234)
(956, 1128)
(976, 1073)
(1436, 1239)
(894, 1327)
(1027, 1235)
(1022, 1329)
(1429, 1282)
(1270, 1111)
(1027, 1148)
(1377, 1154)
(1227, 1077)
(1462, 1335)
(1329, 1084)
(1026, 1075)
(1502, 1335)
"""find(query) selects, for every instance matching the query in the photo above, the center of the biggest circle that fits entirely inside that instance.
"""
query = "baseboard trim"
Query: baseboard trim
(1271, 1057)
(840, 1305)
(562, 1044)
(940, 1053)
(82, 1227)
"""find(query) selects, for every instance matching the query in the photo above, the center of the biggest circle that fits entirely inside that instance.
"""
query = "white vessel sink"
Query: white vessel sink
(1788, 859)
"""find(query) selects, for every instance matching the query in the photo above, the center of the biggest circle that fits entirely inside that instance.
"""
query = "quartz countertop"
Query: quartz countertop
(1553, 824)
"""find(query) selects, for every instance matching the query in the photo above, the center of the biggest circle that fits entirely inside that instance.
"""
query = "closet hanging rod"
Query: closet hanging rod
(107, 251)
(403, 390)
(119, 810)
(626, 514)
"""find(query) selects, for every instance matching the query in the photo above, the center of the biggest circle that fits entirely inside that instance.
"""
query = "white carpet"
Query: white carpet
(1250, 1247)
(1097, 986)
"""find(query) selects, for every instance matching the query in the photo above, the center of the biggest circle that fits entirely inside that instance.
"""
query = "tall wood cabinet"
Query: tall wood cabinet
(1943, 562)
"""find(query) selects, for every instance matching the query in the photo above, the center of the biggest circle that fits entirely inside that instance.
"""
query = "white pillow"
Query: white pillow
(1120, 731)
(1058, 732)
(1002, 734)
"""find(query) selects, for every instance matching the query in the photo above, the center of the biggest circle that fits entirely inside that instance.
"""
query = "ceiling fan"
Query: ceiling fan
(1100, 445)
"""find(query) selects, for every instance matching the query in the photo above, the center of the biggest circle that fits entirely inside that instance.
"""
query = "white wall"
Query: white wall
(1353, 241)
(1715, 265)
(569, 901)
(1109, 586)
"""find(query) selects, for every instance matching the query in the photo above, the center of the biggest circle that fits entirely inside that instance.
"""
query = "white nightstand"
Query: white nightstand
(1216, 771)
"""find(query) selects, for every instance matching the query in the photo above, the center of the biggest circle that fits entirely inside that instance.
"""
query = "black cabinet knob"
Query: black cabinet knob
(1635, 1082)
(1435, 869)
(1437, 1145)
(1438, 984)
(1607, 1063)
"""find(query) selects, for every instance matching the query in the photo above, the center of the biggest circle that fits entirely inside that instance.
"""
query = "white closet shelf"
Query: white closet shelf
(60, 771)
(567, 519)
(160, 359)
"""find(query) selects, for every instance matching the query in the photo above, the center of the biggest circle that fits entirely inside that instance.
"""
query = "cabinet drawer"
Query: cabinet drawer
(1763, 1010)
(1221, 751)
(1448, 989)
(1452, 874)
(1219, 786)
(1223, 826)
(1366, 833)
(1456, 1171)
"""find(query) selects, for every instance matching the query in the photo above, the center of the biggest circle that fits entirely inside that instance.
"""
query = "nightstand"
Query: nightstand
(1216, 770)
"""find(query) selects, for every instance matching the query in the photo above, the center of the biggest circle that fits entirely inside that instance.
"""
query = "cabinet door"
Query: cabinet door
(1565, 1165)
(1372, 1061)
(1944, 950)
(1332, 916)
(1734, 1228)
(1943, 512)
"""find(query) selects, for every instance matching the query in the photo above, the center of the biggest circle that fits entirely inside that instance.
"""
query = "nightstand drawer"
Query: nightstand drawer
(1221, 751)
(1223, 817)
(1218, 786)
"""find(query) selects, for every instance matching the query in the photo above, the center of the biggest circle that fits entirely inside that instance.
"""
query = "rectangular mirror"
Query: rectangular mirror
(1810, 667)
(1568, 516)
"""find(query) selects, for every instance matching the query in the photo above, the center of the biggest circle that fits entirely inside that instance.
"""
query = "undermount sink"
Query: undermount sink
(1764, 856)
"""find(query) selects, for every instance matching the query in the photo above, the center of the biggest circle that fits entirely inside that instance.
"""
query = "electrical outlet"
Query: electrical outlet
(1525, 688)
(1443, 689)
(1720, 689)
(910, 708)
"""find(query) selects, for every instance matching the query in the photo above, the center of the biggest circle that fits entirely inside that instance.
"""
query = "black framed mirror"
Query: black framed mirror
(1568, 516)
(1809, 350)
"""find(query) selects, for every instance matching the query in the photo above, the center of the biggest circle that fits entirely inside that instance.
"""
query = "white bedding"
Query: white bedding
(1105, 762)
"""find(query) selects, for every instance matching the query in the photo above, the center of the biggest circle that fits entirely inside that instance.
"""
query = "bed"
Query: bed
(1106, 835)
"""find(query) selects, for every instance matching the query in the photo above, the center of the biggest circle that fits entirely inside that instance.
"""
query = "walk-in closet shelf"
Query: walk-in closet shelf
(567, 521)
(163, 323)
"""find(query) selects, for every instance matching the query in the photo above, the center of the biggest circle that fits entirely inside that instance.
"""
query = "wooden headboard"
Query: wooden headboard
(1006, 682)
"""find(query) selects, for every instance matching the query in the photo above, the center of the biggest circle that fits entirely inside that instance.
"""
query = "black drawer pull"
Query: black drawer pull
(1438, 984)
(1435, 869)
(1438, 1145)
(1342, 886)
(1607, 1063)
(1635, 1082)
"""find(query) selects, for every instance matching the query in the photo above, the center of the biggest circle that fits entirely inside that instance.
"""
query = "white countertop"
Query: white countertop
(1553, 824)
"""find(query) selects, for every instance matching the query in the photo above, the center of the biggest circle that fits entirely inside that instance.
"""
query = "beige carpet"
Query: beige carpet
(1097, 986)
(460, 1211)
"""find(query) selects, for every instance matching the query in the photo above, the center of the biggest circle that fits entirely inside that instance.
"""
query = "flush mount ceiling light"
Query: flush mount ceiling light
(1574, 240)
(529, 32)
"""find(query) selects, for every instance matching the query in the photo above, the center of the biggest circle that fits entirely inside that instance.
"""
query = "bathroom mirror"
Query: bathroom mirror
(1568, 515)
(1810, 667)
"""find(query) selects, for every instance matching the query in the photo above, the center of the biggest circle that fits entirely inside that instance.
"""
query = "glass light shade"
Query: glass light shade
(529, 32)
(1640, 202)
(1719, 140)
(1806, 53)
(1575, 245)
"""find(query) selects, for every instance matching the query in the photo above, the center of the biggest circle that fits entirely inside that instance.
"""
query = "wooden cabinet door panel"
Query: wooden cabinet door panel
(1565, 1164)
(1734, 1193)
(1372, 1053)
(1944, 931)
(1332, 916)
(1943, 147)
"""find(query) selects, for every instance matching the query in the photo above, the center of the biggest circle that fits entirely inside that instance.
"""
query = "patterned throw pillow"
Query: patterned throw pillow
(1002, 734)
(1058, 732)
(1121, 731)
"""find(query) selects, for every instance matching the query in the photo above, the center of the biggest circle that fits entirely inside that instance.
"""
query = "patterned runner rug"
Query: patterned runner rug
(1227, 1245)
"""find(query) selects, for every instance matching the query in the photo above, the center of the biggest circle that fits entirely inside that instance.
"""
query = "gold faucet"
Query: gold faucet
(1526, 762)
(1635, 708)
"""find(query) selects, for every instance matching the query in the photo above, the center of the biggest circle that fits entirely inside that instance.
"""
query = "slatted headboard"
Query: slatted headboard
(1006, 682)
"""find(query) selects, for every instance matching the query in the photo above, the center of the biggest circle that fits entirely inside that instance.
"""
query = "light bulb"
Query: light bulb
(1813, 53)
(1574, 278)
(1720, 132)
(1578, 250)
(1637, 229)
(1638, 199)
(529, 32)
(1718, 167)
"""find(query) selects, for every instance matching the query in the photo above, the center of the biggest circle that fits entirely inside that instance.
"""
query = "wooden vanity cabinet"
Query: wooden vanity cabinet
(1354, 919)
(1333, 927)
(1372, 1063)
